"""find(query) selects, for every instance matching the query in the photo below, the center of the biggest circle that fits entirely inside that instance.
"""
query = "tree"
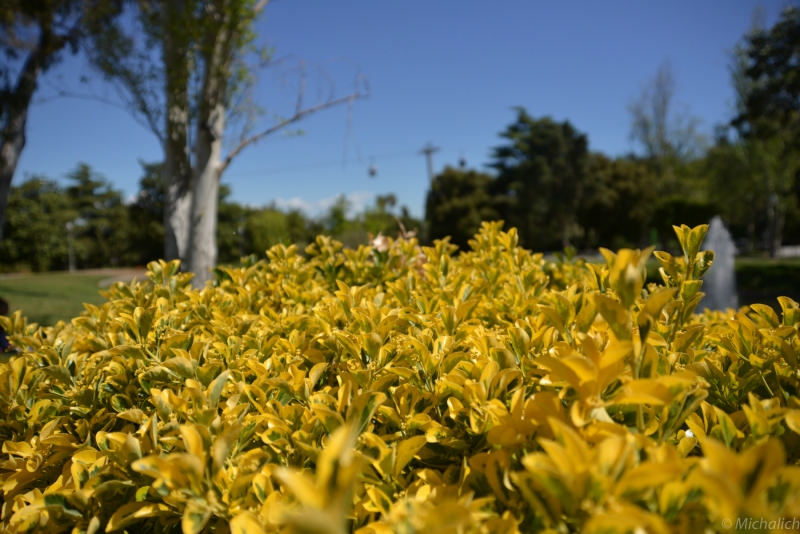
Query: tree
(752, 182)
(32, 36)
(667, 136)
(188, 99)
(616, 212)
(100, 225)
(36, 236)
(146, 215)
(232, 235)
(147, 218)
(542, 179)
(458, 202)
(765, 77)
(382, 218)
(267, 227)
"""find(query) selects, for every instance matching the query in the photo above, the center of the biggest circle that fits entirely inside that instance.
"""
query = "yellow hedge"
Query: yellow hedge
(399, 388)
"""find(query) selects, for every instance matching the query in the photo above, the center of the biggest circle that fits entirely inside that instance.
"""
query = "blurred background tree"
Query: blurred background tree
(458, 201)
(618, 212)
(101, 226)
(766, 78)
(36, 230)
(33, 37)
(542, 179)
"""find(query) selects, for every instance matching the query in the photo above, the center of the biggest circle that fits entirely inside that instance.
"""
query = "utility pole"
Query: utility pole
(428, 151)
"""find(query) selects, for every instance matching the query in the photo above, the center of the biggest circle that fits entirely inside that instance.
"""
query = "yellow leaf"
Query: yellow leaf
(792, 419)
(21, 448)
(570, 452)
(657, 300)
(626, 518)
(378, 501)
(193, 441)
(643, 391)
(646, 476)
(27, 519)
(301, 486)
(246, 523)
(130, 513)
(617, 317)
(179, 471)
(576, 370)
(406, 450)
(363, 407)
(222, 445)
(195, 516)
(612, 358)
(215, 388)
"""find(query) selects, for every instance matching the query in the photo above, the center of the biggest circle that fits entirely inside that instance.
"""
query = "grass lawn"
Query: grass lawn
(49, 297)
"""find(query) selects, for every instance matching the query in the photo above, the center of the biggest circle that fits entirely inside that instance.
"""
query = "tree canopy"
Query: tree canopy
(771, 68)
(187, 99)
(33, 35)
(542, 176)
(458, 201)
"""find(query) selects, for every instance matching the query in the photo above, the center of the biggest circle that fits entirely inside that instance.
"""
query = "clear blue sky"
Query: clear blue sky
(440, 71)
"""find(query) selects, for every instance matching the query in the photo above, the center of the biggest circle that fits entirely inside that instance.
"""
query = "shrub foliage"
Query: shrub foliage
(398, 388)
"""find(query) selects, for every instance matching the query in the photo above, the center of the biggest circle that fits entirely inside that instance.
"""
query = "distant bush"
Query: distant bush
(762, 279)
(398, 388)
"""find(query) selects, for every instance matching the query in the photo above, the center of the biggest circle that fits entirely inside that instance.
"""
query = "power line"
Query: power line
(319, 165)
(428, 150)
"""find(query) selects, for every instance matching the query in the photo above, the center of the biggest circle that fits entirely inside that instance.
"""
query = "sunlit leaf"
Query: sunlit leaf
(246, 523)
(131, 513)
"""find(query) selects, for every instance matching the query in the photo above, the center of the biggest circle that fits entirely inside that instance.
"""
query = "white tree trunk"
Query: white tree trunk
(217, 56)
(177, 210)
(192, 212)
(177, 168)
(205, 192)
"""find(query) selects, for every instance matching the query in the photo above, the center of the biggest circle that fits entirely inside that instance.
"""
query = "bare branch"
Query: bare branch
(301, 93)
(296, 117)
(259, 7)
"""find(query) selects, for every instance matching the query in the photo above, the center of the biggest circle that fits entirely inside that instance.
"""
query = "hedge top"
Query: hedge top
(399, 388)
